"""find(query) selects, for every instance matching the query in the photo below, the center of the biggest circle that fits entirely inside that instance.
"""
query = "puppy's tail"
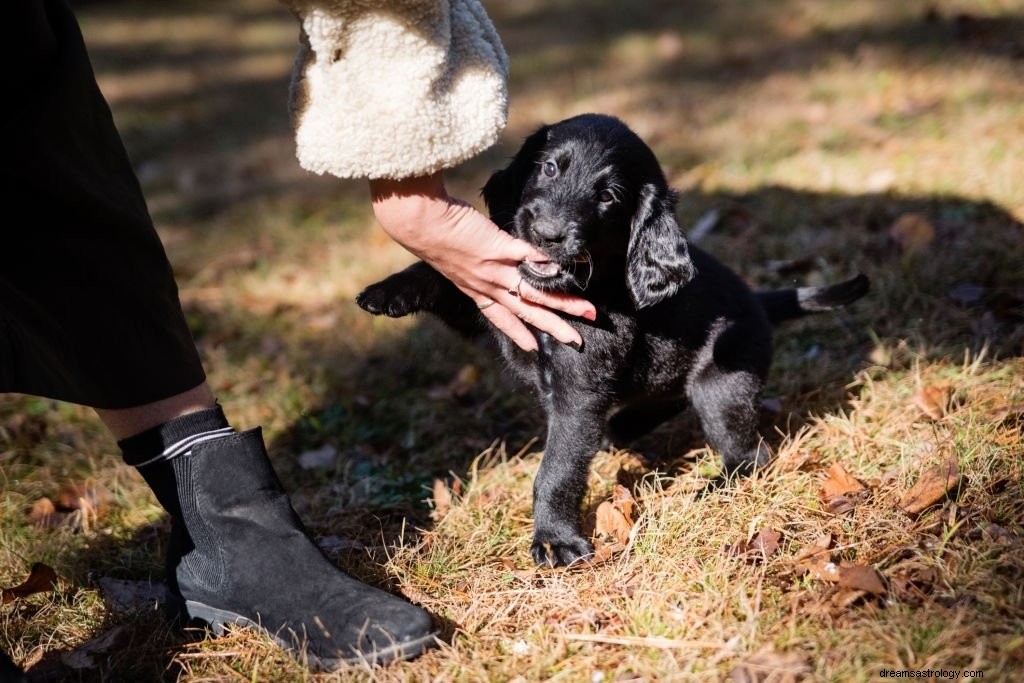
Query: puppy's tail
(786, 304)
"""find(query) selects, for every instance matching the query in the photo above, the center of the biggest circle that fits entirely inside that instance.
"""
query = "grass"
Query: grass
(812, 128)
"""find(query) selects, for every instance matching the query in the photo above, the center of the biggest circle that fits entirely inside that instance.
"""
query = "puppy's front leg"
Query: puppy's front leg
(574, 436)
(421, 288)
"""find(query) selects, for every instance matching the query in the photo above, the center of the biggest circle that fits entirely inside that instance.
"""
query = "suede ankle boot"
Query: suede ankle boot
(240, 555)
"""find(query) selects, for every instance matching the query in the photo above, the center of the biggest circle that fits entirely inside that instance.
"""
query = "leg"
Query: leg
(727, 404)
(420, 288)
(239, 554)
(574, 436)
(127, 422)
(725, 389)
(89, 313)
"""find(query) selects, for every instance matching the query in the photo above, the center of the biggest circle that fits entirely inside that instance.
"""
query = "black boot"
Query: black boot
(240, 555)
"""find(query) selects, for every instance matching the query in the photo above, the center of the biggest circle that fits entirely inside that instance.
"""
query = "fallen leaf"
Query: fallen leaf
(85, 655)
(442, 500)
(935, 484)
(41, 578)
(912, 584)
(770, 665)
(933, 401)
(816, 559)
(912, 232)
(124, 596)
(845, 597)
(860, 577)
(613, 524)
(766, 542)
(840, 492)
(464, 381)
(839, 482)
(44, 515)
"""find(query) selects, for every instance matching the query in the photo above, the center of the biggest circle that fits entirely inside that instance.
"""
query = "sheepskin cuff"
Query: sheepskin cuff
(395, 89)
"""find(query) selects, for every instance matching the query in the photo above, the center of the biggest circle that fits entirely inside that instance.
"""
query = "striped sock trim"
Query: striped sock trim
(175, 438)
(184, 447)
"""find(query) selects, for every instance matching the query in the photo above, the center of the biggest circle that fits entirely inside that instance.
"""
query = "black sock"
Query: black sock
(175, 437)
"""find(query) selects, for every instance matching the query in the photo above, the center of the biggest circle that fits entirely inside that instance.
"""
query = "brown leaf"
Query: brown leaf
(912, 232)
(935, 484)
(41, 578)
(611, 522)
(89, 654)
(44, 514)
(459, 386)
(442, 500)
(933, 401)
(913, 583)
(125, 596)
(840, 505)
(820, 546)
(838, 482)
(624, 502)
(766, 542)
(860, 577)
(840, 492)
(816, 560)
(769, 665)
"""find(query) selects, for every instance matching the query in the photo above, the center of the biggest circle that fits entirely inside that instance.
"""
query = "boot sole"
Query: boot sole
(217, 620)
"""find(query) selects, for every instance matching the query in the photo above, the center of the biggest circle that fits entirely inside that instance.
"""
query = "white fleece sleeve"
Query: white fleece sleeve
(394, 89)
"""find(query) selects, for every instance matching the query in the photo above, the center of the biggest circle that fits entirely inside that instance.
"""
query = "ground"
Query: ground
(809, 140)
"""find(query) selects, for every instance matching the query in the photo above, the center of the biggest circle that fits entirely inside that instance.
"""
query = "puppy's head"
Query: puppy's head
(591, 195)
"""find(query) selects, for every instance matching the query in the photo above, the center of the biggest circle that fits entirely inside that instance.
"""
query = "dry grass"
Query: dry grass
(812, 128)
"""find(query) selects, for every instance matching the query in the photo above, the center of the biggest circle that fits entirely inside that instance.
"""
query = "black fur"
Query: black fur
(675, 327)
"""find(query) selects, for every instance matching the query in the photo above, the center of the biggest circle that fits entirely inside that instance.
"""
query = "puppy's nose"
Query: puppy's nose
(548, 230)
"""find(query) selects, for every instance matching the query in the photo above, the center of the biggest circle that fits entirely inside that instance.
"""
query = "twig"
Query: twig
(650, 641)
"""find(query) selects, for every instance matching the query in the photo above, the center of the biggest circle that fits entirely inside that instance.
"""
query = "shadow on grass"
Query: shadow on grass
(203, 134)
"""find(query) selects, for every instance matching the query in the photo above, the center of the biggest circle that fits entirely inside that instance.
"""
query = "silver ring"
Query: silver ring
(515, 291)
(485, 303)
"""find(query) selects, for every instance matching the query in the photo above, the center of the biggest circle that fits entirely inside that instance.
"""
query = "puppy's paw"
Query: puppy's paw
(390, 297)
(745, 463)
(560, 550)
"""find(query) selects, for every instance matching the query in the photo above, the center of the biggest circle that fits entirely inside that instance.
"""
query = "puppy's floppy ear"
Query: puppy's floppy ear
(657, 260)
(505, 187)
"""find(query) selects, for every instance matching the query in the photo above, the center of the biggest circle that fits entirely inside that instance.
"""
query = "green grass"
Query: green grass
(811, 127)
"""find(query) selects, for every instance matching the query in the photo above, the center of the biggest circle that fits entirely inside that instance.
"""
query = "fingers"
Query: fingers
(513, 314)
(566, 303)
(506, 321)
(545, 320)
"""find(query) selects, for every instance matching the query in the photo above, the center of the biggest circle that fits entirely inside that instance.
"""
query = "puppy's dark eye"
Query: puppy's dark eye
(606, 197)
(550, 169)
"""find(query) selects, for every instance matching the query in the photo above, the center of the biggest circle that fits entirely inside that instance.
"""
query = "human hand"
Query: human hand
(478, 257)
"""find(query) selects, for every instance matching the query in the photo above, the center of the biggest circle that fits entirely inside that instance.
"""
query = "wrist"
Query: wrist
(408, 202)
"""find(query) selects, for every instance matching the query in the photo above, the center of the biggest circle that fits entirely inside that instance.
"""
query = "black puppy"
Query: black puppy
(675, 327)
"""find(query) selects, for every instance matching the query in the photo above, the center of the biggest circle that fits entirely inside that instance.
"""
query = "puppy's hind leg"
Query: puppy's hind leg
(725, 389)
(727, 403)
